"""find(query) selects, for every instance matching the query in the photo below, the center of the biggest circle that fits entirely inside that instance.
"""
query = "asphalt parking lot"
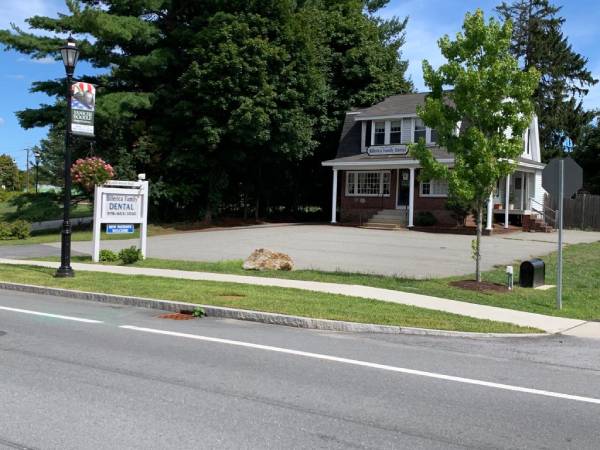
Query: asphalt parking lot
(327, 247)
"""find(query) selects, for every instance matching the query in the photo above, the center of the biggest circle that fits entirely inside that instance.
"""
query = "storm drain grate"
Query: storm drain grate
(182, 315)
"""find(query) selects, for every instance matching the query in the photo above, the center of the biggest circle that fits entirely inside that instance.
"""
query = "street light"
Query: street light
(36, 155)
(70, 55)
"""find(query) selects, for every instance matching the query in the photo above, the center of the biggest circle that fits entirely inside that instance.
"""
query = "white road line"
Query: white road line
(56, 316)
(439, 376)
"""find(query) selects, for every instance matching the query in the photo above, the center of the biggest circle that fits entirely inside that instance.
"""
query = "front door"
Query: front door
(403, 189)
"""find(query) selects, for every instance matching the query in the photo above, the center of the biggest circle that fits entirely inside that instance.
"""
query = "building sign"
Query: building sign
(83, 102)
(124, 228)
(387, 150)
(121, 205)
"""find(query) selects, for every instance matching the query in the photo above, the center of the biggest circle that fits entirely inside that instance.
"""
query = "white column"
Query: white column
(363, 136)
(490, 207)
(506, 200)
(334, 196)
(97, 227)
(144, 223)
(411, 197)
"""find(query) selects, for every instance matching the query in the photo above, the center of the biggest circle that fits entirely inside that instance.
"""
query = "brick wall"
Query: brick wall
(360, 209)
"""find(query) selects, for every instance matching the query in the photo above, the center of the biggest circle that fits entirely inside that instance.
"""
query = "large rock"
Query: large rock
(264, 259)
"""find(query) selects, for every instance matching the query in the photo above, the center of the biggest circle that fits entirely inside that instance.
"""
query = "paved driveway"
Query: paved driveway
(325, 247)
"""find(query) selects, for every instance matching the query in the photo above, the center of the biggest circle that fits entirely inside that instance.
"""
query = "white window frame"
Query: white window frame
(388, 129)
(399, 132)
(381, 177)
(414, 130)
(421, 194)
(386, 136)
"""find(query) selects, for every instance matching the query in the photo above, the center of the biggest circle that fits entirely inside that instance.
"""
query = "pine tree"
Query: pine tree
(211, 97)
(538, 42)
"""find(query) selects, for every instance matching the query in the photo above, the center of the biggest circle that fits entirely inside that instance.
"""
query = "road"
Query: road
(72, 377)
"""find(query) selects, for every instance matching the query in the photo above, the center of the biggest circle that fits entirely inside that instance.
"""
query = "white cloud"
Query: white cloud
(17, 76)
(2, 121)
(44, 60)
(16, 11)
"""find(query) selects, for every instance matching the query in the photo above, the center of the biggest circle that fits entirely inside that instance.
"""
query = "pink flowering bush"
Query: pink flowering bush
(89, 172)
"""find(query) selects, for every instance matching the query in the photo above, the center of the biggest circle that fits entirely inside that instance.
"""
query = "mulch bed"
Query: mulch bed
(177, 316)
(484, 286)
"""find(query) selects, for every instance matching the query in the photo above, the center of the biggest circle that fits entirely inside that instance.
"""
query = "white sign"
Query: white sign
(121, 205)
(387, 150)
(120, 202)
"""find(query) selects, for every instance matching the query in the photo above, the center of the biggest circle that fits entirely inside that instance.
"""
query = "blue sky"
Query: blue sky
(428, 20)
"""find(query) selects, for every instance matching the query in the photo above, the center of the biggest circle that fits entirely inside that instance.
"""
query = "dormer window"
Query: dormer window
(433, 136)
(420, 130)
(395, 131)
(379, 130)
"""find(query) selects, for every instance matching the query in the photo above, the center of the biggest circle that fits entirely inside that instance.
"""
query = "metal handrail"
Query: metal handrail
(543, 211)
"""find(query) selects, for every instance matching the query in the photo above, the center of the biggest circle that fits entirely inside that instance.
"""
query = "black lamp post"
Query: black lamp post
(70, 54)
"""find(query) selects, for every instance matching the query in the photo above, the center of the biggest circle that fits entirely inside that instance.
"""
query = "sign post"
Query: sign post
(561, 201)
(120, 204)
(560, 177)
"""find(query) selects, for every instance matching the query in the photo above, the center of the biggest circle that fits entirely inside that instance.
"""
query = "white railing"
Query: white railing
(547, 213)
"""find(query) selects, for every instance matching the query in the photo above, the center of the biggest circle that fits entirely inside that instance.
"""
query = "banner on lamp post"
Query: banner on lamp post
(83, 102)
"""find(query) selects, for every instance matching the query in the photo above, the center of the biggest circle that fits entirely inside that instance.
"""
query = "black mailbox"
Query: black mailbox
(532, 273)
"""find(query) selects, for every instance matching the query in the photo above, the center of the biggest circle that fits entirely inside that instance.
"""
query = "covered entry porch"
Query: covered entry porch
(518, 194)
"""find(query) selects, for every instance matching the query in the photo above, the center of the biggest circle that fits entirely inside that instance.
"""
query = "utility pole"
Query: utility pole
(27, 173)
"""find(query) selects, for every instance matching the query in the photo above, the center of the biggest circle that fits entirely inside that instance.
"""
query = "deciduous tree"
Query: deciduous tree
(482, 117)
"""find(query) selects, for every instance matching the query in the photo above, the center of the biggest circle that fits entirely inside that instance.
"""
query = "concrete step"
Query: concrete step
(396, 220)
(382, 226)
(392, 212)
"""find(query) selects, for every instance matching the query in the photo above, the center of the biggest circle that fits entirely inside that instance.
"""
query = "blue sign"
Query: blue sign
(120, 229)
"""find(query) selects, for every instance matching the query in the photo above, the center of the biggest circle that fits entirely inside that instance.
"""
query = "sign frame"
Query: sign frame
(390, 149)
(122, 192)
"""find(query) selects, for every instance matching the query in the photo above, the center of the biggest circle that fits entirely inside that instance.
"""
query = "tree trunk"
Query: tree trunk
(478, 241)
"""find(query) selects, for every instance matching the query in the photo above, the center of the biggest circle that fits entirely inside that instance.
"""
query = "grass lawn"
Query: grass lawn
(45, 237)
(8, 212)
(581, 282)
(260, 298)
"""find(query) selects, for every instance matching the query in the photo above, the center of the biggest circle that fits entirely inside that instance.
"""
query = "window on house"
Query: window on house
(368, 184)
(434, 188)
(433, 136)
(420, 130)
(395, 131)
(379, 133)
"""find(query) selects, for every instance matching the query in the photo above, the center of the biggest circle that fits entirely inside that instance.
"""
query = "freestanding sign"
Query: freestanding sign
(83, 103)
(120, 204)
(561, 177)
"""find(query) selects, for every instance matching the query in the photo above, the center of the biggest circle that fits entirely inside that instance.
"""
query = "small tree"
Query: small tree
(482, 118)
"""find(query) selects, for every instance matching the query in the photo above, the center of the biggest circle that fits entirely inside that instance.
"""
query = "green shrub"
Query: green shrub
(20, 229)
(5, 231)
(108, 256)
(130, 255)
(425, 219)
(35, 207)
(459, 209)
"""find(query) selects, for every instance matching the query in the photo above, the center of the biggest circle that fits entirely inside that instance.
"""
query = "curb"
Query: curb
(253, 316)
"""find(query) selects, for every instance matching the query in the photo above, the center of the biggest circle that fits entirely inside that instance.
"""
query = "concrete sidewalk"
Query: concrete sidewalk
(549, 324)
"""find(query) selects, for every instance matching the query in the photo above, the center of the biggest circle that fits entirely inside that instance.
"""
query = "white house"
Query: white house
(376, 179)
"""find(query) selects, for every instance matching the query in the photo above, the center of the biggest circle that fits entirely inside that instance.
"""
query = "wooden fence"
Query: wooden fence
(582, 212)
